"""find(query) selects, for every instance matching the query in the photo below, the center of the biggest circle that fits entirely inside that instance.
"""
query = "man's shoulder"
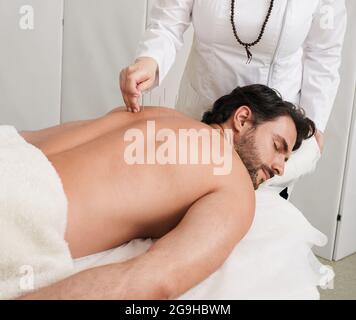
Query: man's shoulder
(172, 114)
(236, 202)
(238, 182)
(162, 111)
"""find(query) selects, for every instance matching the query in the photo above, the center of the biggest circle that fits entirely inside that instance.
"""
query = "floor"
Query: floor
(344, 282)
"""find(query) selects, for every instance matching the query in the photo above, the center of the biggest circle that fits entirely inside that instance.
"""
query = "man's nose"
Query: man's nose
(278, 166)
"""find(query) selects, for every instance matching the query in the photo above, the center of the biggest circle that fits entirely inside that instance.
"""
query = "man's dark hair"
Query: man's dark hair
(266, 104)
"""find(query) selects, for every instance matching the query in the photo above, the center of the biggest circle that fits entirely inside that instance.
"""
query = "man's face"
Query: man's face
(265, 149)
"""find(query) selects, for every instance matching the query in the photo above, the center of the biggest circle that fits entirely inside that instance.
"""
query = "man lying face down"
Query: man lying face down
(118, 191)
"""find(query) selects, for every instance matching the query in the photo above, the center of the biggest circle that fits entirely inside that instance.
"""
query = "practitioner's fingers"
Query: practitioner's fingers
(133, 102)
(135, 79)
(122, 88)
(142, 81)
(145, 85)
(128, 88)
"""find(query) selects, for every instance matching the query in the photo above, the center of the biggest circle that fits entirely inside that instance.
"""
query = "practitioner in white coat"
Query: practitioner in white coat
(293, 46)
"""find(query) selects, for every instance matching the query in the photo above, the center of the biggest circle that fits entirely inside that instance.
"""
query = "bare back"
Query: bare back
(110, 201)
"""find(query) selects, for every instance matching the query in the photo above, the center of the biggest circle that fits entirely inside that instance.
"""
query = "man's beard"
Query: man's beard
(247, 150)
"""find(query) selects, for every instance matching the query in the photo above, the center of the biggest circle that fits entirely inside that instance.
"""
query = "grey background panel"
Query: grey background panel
(318, 195)
(30, 64)
(100, 38)
(346, 232)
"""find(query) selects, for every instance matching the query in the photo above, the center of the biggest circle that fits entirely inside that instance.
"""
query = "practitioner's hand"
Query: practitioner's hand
(137, 78)
(320, 140)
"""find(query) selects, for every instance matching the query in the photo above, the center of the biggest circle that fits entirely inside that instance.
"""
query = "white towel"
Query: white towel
(273, 261)
(33, 214)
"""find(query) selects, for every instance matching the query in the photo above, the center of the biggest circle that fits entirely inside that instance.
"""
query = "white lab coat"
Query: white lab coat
(299, 53)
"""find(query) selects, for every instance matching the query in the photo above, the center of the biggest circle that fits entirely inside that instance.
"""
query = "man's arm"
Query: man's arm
(202, 241)
(185, 256)
(108, 282)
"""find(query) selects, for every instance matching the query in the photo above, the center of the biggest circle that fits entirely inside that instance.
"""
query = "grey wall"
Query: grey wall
(43, 83)
(99, 40)
(346, 231)
(30, 64)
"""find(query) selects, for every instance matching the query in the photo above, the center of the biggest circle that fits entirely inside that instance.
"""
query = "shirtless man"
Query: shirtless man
(198, 217)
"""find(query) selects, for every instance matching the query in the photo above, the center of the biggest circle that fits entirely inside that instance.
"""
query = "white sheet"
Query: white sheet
(273, 261)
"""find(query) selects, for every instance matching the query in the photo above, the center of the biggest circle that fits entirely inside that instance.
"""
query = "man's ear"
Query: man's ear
(242, 115)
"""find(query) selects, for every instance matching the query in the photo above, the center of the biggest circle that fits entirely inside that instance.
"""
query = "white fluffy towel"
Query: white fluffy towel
(33, 214)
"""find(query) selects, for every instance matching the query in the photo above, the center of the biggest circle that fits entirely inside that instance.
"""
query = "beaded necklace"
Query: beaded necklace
(247, 45)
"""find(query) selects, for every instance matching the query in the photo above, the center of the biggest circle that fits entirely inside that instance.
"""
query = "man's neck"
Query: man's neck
(218, 127)
(222, 131)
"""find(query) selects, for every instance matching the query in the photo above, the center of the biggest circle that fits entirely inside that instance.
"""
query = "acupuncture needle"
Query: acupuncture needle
(142, 102)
